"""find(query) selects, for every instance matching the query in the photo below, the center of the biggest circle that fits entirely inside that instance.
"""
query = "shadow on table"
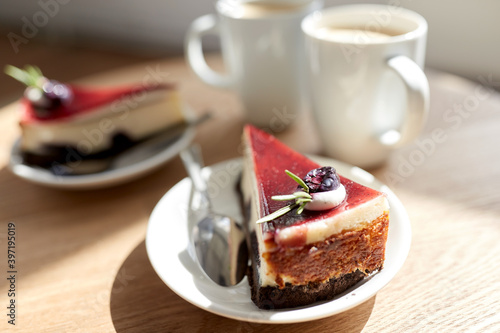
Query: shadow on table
(61, 223)
(141, 302)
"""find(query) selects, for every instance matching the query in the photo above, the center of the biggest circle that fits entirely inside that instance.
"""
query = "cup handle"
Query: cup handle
(203, 25)
(417, 88)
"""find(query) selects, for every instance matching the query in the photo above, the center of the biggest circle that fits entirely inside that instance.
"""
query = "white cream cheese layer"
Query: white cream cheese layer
(352, 218)
(251, 195)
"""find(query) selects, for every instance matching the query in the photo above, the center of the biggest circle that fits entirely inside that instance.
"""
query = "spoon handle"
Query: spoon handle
(193, 162)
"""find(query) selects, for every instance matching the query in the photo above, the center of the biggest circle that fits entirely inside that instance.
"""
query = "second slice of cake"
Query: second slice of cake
(299, 259)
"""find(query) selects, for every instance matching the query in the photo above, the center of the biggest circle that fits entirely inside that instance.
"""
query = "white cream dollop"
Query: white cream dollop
(326, 200)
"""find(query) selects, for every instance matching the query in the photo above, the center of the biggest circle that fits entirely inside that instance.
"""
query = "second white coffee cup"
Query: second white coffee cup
(368, 91)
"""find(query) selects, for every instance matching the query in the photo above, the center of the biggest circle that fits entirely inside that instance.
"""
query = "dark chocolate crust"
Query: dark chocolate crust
(291, 296)
(52, 157)
(64, 154)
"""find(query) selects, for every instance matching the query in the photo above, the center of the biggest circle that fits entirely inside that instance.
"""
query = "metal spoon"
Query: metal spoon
(218, 240)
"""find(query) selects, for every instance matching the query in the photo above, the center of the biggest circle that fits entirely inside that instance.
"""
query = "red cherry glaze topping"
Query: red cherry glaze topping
(270, 158)
(86, 100)
(49, 100)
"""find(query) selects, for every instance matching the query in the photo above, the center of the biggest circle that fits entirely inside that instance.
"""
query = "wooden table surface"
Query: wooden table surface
(81, 258)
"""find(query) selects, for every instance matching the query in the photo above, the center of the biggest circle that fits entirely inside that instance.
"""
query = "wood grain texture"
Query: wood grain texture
(83, 265)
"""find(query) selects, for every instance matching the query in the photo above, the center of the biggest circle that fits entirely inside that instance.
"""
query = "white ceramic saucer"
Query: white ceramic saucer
(167, 247)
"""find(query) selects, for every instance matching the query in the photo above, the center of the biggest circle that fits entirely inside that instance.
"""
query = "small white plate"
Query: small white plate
(117, 175)
(167, 240)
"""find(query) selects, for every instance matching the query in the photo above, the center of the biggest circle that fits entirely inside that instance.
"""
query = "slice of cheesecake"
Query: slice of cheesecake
(299, 259)
(62, 123)
(98, 123)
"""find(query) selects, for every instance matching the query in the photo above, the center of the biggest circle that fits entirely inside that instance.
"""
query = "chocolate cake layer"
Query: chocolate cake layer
(291, 296)
(320, 270)
(339, 254)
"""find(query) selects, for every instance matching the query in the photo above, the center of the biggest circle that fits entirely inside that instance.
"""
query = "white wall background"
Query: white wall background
(464, 35)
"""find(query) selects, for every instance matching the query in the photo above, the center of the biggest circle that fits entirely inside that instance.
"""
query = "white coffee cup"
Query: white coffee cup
(263, 52)
(368, 92)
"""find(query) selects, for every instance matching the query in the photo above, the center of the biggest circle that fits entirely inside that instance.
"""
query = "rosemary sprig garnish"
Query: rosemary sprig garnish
(298, 180)
(301, 199)
(31, 76)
